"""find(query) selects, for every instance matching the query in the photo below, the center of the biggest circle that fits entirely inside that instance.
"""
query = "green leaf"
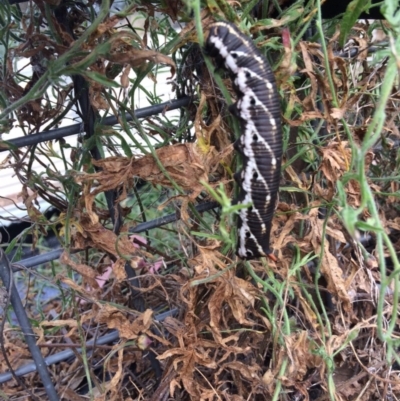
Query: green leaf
(101, 79)
(7, 145)
(351, 337)
(341, 193)
(248, 9)
(390, 11)
(291, 14)
(294, 189)
(350, 220)
(369, 225)
(352, 14)
(213, 6)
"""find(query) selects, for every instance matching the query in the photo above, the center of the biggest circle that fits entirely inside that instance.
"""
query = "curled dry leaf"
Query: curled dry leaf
(86, 295)
(60, 323)
(285, 230)
(247, 371)
(329, 264)
(106, 240)
(337, 113)
(182, 162)
(208, 261)
(119, 271)
(305, 116)
(309, 101)
(123, 52)
(184, 363)
(213, 141)
(288, 65)
(86, 271)
(336, 157)
(125, 77)
(269, 380)
(234, 292)
(301, 349)
(116, 319)
(112, 385)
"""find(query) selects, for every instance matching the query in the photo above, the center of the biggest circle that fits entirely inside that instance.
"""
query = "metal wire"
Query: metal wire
(26, 328)
(38, 260)
(39, 363)
(16, 1)
(73, 129)
(148, 225)
(63, 355)
(161, 221)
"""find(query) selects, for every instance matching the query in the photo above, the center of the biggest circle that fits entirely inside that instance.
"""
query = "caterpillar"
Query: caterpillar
(260, 142)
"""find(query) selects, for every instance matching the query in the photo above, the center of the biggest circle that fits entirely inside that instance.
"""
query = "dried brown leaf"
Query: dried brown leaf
(337, 113)
(335, 160)
(116, 319)
(182, 162)
(86, 271)
(122, 52)
(119, 270)
(112, 385)
(309, 100)
(234, 292)
(329, 266)
(108, 241)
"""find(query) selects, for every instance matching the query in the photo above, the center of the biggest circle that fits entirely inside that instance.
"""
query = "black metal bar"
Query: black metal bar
(5, 274)
(161, 221)
(63, 355)
(148, 225)
(73, 129)
(39, 259)
(355, 51)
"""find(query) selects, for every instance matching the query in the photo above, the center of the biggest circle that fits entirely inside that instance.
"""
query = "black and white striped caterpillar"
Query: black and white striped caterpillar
(260, 143)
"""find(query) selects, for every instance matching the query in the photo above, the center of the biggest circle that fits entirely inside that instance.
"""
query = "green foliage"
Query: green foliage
(350, 17)
(327, 99)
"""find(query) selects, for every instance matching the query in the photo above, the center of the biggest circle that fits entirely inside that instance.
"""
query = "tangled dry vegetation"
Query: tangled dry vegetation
(314, 325)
